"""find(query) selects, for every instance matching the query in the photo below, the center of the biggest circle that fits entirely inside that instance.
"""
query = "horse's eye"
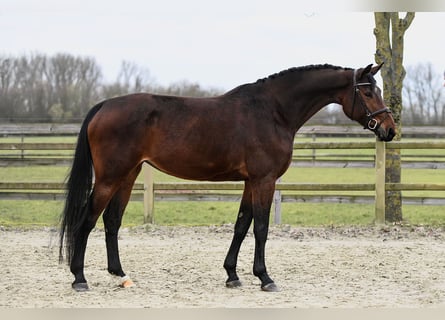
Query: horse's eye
(368, 94)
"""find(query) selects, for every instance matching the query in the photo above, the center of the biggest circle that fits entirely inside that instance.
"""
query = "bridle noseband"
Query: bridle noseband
(371, 122)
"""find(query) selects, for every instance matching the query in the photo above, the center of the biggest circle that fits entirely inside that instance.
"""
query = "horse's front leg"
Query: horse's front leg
(262, 195)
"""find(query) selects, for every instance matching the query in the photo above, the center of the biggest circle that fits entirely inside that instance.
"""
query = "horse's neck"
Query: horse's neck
(302, 100)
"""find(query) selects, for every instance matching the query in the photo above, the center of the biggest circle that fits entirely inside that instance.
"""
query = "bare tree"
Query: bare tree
(7, 75)
(389, 33)
(63, 87)
(72, 82)
(188, 89)
(29, 78)
(424, 95)
(89, 76)
(21, 86)
(133, 78)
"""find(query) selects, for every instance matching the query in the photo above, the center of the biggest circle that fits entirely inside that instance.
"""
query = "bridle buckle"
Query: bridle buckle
(373, 124)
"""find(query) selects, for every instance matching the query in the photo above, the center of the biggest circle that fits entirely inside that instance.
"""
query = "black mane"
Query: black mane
(302, 69)
(293, 70)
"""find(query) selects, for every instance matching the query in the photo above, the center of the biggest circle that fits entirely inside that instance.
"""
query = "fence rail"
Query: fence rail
(150, 190)
(41, 153)
(72, 129)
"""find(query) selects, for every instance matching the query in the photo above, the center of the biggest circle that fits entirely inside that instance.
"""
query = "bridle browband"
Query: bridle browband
(371, 123)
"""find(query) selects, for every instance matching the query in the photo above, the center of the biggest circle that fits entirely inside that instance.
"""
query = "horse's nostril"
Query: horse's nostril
(391, 133)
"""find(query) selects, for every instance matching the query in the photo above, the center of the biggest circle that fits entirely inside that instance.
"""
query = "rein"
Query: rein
(371, 122)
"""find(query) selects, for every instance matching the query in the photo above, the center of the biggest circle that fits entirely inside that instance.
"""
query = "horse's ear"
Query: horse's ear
(366, 71)
(376, 69)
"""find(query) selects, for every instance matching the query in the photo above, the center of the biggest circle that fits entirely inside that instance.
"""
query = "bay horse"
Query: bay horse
(246, 134)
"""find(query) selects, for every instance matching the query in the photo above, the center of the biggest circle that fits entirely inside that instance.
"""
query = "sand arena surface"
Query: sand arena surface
(182, 267)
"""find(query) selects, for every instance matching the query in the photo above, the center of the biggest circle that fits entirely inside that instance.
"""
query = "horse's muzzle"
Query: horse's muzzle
(385, 134)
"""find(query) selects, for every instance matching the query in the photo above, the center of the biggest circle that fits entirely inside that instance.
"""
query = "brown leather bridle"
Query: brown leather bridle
(371, 122)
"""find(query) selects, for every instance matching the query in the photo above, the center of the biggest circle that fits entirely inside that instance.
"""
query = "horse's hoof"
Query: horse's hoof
(270, 287)
(126, 282)
(80, 287)
(233, 284)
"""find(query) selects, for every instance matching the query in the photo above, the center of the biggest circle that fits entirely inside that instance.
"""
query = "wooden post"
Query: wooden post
(380, 160)
(22, 140)
(277, 205)
(148, 194)
(314, 137)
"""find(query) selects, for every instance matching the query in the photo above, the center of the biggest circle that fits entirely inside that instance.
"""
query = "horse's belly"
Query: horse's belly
(195, 170)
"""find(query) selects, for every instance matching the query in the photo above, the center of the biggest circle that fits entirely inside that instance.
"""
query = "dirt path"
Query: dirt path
(182, 267)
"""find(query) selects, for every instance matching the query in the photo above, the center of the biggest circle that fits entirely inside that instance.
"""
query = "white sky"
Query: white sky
(220, 44)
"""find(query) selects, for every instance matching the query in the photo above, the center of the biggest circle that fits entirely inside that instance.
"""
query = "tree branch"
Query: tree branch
(408, 19)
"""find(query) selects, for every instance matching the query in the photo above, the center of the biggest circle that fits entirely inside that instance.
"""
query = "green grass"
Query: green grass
(37, 213)
(46, 213)
(15, 213)
(191, 213)
(302, 214)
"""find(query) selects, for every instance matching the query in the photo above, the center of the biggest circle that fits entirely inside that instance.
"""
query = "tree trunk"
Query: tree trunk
(389, 50)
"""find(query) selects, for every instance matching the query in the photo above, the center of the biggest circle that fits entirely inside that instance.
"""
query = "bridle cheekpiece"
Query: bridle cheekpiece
(371, 122)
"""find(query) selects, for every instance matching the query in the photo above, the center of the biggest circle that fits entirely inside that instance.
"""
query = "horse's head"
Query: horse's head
(364, 104)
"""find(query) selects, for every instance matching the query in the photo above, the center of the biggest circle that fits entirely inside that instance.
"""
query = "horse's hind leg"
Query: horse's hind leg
(112, 221)
(242, 225)
(99, 198)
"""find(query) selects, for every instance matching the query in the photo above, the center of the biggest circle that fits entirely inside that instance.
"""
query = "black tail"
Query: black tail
(79, 185)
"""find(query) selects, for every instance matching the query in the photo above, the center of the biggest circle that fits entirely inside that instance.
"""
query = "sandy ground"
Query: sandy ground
(182, 267)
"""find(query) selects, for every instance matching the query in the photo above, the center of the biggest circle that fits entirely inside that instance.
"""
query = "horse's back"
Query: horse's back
(186, 137)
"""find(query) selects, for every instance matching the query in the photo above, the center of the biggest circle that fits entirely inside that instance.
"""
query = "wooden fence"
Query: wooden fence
(150, 190)
(72, 129)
